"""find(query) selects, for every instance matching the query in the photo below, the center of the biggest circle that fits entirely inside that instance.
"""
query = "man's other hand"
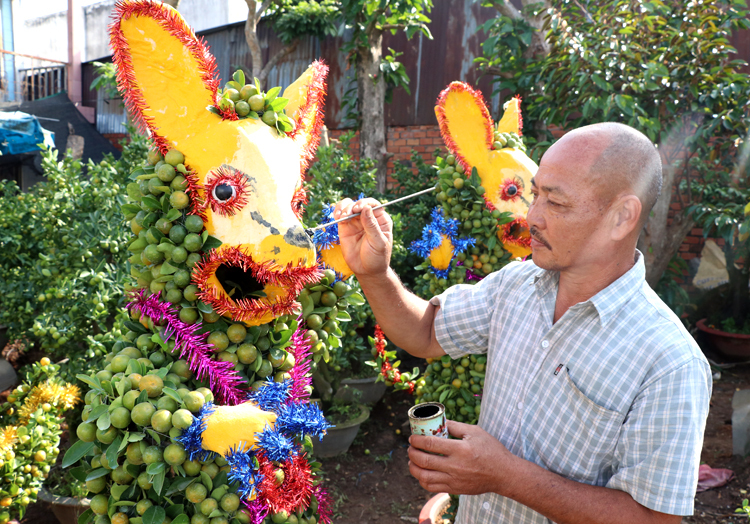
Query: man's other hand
(367, 240)
(478, 463)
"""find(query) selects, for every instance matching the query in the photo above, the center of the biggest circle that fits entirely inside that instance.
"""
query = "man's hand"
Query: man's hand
(367, 240)
(478, 463)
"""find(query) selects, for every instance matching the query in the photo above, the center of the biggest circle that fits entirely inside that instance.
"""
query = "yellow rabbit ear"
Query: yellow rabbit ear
(465, 123)
(512, 121)
(306, 99)
(166, 75)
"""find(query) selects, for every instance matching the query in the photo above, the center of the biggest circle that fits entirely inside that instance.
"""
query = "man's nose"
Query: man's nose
(534, 217)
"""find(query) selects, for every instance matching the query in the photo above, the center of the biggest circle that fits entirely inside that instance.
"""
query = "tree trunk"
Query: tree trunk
(251, 36)
(371, 101)
(739, 279)
(659, 241)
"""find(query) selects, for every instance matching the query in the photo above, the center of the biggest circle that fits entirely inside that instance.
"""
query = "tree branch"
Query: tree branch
(505, 8)
(286, 51)
(496, 71)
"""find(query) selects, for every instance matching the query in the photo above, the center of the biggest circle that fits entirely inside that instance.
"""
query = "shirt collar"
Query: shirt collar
(609, 300)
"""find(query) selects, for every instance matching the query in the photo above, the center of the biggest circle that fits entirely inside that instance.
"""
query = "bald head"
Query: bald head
(620, 160)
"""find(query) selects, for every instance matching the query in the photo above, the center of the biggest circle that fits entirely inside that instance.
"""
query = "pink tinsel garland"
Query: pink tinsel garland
(222, 378)
(301, 371)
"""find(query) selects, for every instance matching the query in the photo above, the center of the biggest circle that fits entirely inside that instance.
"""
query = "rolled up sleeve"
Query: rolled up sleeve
(462, 325)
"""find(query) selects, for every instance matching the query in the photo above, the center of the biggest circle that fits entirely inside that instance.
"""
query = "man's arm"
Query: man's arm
(479, 463)
(366, 243)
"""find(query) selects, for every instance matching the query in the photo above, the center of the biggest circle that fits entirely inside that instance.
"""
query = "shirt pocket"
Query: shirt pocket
(569, 434)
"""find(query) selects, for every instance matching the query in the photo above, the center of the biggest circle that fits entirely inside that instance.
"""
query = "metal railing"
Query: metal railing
(28, 77)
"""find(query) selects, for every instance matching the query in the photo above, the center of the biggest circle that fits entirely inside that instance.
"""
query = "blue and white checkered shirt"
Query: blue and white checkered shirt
(615, 393)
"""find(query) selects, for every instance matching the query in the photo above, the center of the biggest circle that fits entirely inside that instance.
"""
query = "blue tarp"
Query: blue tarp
(22, 133)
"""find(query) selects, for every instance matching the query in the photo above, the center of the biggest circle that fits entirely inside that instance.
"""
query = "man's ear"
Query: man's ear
(626, 214)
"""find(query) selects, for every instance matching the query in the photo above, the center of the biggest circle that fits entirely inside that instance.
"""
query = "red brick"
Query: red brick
(420, 134)
(412, 142)
(404, 149)
(692, 240)
(434, 133)
(400, 142)
(689, 256)
(684, 247)
(697, 231)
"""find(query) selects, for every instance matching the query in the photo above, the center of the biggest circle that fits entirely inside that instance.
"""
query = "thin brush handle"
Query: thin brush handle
(407, 197)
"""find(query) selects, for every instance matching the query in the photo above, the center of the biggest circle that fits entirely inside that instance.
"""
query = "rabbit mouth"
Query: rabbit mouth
(247, 291)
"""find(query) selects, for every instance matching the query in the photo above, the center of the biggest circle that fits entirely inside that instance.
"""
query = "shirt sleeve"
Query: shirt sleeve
(462, 325)
(658, 452)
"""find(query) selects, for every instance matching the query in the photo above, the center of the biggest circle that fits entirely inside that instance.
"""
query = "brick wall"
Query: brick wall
(400, 142)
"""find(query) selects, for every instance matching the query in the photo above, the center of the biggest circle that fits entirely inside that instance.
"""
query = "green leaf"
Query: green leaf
(158, 482)
(136, 437)
(239, 77)
(103, 422)
(76, 452)
(174, 510)
(272, 94)
(113, 450)
(206, 480)
(173, 214)
(179, 485)
(97, 412)
(167, 268)
(154, 515)
(86, 516)
(211, 242)
(156, 437)
(204, 308)
(156, 467)
(173, 394)
(95, 474)
(279, 104)
(355, 299)
(90, 381)
(151, 203)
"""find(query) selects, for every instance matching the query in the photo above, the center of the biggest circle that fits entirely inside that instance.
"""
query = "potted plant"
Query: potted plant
(346, 417)
(65, 492)
(722, 214)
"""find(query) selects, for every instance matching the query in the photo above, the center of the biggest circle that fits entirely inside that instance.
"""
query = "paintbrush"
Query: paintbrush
(311, 230)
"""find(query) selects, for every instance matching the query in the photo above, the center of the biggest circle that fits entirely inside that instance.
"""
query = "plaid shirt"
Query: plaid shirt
(615, 393)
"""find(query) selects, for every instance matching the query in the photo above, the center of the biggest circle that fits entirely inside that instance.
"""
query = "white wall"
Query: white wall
(41, 28)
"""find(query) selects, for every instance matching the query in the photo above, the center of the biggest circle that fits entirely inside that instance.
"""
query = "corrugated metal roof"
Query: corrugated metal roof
(430, 64)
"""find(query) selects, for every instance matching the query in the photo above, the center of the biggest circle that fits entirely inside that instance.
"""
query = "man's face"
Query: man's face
(566, 217)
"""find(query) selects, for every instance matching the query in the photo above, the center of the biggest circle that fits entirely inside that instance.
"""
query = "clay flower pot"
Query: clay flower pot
(432, 512)
(372, 391)
(338, 438)
(731, 345)
(66, 509)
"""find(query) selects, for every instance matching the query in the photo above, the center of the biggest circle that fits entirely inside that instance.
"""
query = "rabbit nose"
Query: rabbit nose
(296, 236)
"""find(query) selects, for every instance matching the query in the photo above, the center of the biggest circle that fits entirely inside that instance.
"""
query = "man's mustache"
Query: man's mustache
(538, 237)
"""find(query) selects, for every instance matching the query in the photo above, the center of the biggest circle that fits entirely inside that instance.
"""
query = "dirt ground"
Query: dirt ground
(372, 484)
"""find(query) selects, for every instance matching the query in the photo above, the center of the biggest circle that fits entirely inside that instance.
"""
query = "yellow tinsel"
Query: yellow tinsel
(66, 396)
(8, 437)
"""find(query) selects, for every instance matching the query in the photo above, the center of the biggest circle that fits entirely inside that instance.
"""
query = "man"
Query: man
(595, 396)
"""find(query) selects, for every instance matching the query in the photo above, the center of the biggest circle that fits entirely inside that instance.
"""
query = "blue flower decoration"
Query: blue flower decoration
(432, 238)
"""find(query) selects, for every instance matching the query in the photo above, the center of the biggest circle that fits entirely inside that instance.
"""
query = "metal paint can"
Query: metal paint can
(428, 419)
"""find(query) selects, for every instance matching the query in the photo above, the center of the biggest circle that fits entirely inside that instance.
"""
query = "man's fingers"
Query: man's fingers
(435, 445)
(359, 205)
(372, 227)
(434, 481)
(341, 207)
(459, 429)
